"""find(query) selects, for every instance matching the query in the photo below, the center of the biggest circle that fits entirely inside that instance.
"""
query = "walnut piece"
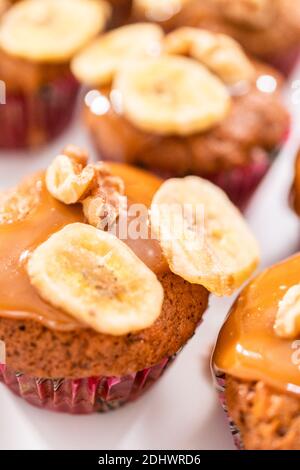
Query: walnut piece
(106, 199)
(287, 323)
(70, 179)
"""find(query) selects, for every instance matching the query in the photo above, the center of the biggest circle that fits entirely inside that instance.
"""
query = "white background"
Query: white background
(182, 410)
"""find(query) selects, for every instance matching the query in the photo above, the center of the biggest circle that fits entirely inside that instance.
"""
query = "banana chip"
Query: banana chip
(97, 279)
(51, 30)
(203, 236)
(98, 63)
(158, 10)
(171, 95)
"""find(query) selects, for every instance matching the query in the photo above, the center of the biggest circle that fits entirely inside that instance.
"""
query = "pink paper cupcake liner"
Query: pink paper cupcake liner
(29, 120)
(220, 380)
(82, 396)
(241, 182)
(286, 63)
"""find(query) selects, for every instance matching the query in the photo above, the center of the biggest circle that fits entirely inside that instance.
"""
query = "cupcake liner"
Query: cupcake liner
(241, 182)
(220, 379)
(82, 396)
(29, 120)
(286, 62)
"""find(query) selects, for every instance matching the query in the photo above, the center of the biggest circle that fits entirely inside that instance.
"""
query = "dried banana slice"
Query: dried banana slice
(203, 236)
(157, 10)
(171, 95)
(51, 30)
(220, 53)
(96, 278)
(98, 63)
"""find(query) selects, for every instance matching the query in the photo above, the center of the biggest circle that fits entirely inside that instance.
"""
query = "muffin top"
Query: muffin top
(51, 30)
(82, 244)
(182, 84)
(260, 338)
(253, 14)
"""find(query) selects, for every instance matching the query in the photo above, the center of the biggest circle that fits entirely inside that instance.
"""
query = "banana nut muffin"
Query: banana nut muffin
(37, 42)
(257, 360)
(267, 29)
(190, 102)
(90, 317)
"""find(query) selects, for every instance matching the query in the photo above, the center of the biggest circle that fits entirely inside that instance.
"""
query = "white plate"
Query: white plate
(182, 410)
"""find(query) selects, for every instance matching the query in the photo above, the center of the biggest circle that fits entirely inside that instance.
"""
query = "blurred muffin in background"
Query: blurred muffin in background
(190, 102)
(257, 360)
(37, 41)
(268, 29)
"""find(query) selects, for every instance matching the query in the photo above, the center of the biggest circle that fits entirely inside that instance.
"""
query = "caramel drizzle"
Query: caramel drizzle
(248, 347)
(19, 299)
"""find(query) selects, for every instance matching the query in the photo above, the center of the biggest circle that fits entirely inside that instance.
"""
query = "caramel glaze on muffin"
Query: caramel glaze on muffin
(261, 368)
(256, 120)
(43, 341)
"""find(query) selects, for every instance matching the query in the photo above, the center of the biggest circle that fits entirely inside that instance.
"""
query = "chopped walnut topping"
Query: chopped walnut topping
(106, 199)
(70, 179)
(287, 323)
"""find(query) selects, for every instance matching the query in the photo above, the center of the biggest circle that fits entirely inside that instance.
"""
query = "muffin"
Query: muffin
(98, 294)
(190, 102)
(37, 41)
(256, 361)
(267, 29)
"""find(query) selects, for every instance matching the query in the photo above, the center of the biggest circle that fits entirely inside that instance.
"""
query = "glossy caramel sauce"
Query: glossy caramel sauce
(18, 238)
(248, 347)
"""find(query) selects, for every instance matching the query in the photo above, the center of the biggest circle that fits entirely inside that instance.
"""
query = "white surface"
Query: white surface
(182, 410)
